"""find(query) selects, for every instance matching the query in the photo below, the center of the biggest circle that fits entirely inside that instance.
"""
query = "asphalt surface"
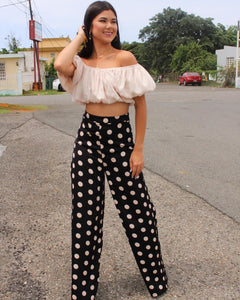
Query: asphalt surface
(196, 134)
(192, 138)
(200, 244)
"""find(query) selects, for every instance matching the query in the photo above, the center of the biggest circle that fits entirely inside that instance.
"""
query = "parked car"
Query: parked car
(190, 78)
(56, 85)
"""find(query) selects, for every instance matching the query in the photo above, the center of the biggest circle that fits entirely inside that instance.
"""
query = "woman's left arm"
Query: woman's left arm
(137, 157)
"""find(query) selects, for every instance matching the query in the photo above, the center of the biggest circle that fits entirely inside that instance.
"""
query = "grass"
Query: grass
(211, 83)
(36, 93)
(6, 108)
(44, 92)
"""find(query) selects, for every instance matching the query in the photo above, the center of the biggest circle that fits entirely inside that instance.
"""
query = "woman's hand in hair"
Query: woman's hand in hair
(81, 33)
(64, 61)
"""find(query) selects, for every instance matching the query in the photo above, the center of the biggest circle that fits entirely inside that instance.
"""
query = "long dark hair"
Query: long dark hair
(94, 10)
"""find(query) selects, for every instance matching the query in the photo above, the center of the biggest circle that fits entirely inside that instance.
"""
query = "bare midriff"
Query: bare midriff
(107, 110)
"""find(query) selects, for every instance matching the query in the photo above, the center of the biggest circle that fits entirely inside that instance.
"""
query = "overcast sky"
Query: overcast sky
(62, 18)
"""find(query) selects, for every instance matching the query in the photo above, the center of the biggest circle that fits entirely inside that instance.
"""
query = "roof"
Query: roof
(19, 55)
(13, 55)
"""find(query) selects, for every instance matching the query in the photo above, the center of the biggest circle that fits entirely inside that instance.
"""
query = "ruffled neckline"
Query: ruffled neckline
(107, 85)
(113, 68)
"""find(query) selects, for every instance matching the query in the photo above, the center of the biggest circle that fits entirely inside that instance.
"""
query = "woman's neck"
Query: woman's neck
(102, 50)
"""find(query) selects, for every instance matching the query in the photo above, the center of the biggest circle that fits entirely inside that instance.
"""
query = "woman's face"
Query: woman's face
(104, 26)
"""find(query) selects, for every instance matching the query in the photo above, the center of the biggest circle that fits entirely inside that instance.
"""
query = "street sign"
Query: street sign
(35, 31)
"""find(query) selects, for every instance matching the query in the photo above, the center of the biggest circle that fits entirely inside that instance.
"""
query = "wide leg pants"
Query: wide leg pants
(103, 146)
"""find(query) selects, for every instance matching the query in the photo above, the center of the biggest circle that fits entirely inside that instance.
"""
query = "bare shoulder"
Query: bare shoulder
(126, 58)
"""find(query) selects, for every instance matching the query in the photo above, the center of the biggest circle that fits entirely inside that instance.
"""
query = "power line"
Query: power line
(16, 5)
(37, 9)
(44, 22)
(46, 29)
(26, 13)
(19, 2)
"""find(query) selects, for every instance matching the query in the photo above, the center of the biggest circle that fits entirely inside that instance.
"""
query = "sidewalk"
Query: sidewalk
(200, 245)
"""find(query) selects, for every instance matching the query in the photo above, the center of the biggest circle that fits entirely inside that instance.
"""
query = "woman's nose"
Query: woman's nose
(108, 24)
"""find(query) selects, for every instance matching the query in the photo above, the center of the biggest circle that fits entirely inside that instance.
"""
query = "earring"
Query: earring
(90, 35)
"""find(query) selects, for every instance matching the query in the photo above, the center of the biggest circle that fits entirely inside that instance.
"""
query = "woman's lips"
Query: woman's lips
(108, 33)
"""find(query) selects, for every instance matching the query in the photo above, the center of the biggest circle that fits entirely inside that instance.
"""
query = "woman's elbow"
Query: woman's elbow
(57, 65)
(64, 70)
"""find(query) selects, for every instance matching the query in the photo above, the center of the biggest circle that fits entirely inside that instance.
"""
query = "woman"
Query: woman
(108, 80)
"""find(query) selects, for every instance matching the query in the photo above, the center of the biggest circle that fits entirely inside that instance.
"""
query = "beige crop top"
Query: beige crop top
(106, 85)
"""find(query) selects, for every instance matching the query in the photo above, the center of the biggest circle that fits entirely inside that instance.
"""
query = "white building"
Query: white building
(28, 70)
(226, 57)
(17, 72)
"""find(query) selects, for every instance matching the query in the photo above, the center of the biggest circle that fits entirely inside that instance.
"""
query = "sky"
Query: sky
(63, 18)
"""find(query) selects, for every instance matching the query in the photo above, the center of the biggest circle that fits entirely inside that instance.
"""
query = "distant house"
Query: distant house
(226, 57)
(51, 47)
(17, 72)
(10, 74)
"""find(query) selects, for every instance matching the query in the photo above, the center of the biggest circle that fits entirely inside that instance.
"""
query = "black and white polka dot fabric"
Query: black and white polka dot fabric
(103, 146)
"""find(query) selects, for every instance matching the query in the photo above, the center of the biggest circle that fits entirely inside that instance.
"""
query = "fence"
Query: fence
(49, 82)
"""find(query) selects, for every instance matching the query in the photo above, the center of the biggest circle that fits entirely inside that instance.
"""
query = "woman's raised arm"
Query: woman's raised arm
(64, 60)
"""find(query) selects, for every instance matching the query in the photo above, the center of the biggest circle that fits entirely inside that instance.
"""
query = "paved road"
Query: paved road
(200, 244)
(193, 138)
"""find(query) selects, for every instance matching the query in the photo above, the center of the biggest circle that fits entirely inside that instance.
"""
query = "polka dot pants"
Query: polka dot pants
(103, 146)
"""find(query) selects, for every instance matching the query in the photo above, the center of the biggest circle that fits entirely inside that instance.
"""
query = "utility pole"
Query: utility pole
(32, 30)
(30, 7)
(237, 78)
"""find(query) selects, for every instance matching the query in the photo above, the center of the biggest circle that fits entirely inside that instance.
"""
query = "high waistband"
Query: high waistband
(106, 120)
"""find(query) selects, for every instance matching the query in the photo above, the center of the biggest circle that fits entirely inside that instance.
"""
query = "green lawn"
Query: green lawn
(44, 92)
(37, 93)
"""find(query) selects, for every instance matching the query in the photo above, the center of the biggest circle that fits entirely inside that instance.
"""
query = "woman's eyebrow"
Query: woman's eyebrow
(104, 18)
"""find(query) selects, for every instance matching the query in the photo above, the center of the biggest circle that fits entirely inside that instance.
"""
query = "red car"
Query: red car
(190, 78)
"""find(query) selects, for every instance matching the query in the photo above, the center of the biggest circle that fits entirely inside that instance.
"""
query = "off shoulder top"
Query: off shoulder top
(106, 85)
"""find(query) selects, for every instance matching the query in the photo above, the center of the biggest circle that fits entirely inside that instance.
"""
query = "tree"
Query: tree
(174, 27)
(225, 36)
(138, 49)
(160, 38)
(13, 43)
(50, 70)
(133, 47)
(227, 75)
(4, 51)
(193, 57)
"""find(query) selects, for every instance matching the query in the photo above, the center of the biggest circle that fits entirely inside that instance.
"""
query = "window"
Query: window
(229, 62)
(2, 71)
(52, 54)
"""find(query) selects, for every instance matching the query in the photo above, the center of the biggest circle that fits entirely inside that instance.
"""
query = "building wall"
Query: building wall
(226, 56)
(28, 77)
(19, 73)
(28, 70)
(28, 61)
(11, 85)
(50, 48)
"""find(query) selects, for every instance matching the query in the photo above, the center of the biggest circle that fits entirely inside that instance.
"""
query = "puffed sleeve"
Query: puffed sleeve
(68, 83)
(134, 81)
